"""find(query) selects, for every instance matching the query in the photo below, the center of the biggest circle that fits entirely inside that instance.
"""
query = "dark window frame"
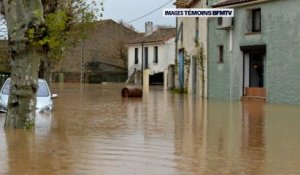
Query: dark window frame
(155, 60)
(220, 21)
(197, 29)
(146, 57)
(220, 54)
(256, 12)
(136, 56)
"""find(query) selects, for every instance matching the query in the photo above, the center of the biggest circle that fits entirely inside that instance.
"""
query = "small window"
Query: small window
(179, 33)
(256, 20)
(220, 21)
(253, 21)
(221, 54)
(146, 57)
(196, 29)
(136, 56)
(155, 60)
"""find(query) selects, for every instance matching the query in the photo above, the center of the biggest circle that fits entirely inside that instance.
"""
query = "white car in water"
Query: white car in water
(44, 97)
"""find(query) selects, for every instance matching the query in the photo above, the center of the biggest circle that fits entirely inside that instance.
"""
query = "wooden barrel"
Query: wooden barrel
(132, 92)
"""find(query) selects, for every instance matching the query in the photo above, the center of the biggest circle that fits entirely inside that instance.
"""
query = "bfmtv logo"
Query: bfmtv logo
(198, 12)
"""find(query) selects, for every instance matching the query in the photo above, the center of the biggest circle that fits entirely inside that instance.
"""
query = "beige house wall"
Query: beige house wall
(188, 44)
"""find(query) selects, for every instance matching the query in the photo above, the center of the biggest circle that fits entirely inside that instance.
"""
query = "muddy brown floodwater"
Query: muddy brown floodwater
(93, 130)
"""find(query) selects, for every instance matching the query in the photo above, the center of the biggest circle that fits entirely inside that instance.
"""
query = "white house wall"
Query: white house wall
(166, 56)
(169, 52)
(131, 52)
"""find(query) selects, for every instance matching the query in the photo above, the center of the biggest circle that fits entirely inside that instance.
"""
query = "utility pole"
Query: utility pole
(82, 62)
(81, 54)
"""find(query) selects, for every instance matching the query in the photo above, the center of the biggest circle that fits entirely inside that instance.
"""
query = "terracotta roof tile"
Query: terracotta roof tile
(231, 2)
(185, 3)
(159, 35)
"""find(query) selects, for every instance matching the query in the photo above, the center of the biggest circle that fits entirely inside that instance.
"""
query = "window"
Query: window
(221, 54)
(197, 30)
(146, 57)
(179, 33)
(254, 21)
(155, 60)
(220, 21)
(136, 55)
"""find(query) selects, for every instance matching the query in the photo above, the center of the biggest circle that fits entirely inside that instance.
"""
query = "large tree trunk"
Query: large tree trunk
(20, 16)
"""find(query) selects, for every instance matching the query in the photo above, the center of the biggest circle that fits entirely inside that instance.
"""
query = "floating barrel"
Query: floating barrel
(132, 92)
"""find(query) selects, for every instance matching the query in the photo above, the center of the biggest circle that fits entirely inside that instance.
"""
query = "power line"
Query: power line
(150, 12)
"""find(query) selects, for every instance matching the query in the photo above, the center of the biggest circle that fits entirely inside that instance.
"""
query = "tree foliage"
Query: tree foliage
(127, 25)
(60, 17)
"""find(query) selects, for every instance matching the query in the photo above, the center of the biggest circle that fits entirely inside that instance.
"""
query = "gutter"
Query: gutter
(146, 43)
(242, 4)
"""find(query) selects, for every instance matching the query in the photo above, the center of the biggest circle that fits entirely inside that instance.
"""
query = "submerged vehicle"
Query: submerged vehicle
(44, 102)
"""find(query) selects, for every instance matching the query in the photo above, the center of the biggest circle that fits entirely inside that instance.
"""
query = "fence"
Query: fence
(107, 77)
(91, 77)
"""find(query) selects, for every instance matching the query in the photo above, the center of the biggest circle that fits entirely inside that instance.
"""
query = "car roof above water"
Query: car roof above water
(42, 82)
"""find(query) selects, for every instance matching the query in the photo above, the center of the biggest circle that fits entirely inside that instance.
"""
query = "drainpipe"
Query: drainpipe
(176, 42)
(142, 68)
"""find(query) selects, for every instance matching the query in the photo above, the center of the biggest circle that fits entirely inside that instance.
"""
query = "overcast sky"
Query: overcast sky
(129, 10)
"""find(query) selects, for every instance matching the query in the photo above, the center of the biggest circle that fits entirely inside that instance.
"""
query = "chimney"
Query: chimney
(148, 28)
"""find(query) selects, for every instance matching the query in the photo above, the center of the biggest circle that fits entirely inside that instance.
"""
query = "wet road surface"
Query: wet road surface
(93, 130)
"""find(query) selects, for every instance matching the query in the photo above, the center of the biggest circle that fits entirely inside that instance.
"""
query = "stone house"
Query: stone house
(191, 37)
(256, 53)
(154, 51)
(102, 56)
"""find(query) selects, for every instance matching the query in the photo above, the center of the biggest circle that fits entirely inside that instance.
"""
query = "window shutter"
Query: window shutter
(249, 21)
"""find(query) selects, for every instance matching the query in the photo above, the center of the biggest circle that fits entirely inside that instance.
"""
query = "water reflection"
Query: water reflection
(253, 136)
(93, 130)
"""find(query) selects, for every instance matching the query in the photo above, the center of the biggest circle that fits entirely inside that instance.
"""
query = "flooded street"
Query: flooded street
(93, 130)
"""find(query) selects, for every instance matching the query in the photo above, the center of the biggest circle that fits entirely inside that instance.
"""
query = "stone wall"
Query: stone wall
(104, 44)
